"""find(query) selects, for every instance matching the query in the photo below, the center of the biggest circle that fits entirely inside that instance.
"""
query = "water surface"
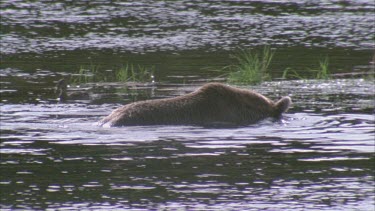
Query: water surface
(149, 26)
(53, 156)
(320, 154)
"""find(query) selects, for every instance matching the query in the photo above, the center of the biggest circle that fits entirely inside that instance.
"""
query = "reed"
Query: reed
(251, 67)
(323, 72)
(85, 74)
(320, 73)
(289, 73)
(125, 73)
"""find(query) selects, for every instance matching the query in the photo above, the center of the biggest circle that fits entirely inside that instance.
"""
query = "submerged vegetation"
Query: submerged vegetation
(125, 73)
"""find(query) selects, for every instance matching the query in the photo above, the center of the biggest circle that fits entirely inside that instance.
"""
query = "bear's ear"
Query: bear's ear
(283, 104)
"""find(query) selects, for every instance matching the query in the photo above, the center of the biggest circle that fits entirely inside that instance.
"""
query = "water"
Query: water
(149, 26)
(320, 155)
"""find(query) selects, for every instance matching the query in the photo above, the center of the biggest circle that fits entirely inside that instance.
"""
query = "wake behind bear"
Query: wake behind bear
(211, 104)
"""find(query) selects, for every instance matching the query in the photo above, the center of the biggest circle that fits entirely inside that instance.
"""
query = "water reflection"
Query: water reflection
(53, 156)
(149, 26)
(248, 178)
(319, 156)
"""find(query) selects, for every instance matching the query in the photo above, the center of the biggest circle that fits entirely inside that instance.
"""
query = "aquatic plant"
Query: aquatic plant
(289, 73)
(251, 67)
(85, 74)
(131, 72)
(125, 73)
(323, 71)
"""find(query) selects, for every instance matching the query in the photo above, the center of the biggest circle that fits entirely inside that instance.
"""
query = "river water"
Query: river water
(319, 156)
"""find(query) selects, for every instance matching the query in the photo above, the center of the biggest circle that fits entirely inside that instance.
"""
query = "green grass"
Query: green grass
(289, 73)
(125, 73)
(137, 73)
(251, 67)
(323, 71)
(85, 74)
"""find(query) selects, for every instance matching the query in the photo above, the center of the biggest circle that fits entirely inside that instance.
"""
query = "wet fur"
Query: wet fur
(214, 103)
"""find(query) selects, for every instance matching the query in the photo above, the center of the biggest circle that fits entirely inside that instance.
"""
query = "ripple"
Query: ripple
(315, 157)
(38, 152)
(184, 25)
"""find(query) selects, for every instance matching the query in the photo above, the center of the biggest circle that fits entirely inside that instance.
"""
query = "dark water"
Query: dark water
(189, 34)
(319, 156)
(149, 26)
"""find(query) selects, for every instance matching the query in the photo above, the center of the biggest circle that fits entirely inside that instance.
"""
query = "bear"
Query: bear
(211, 104)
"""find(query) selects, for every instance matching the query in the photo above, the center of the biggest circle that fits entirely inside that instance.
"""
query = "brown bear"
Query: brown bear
(212, 104)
